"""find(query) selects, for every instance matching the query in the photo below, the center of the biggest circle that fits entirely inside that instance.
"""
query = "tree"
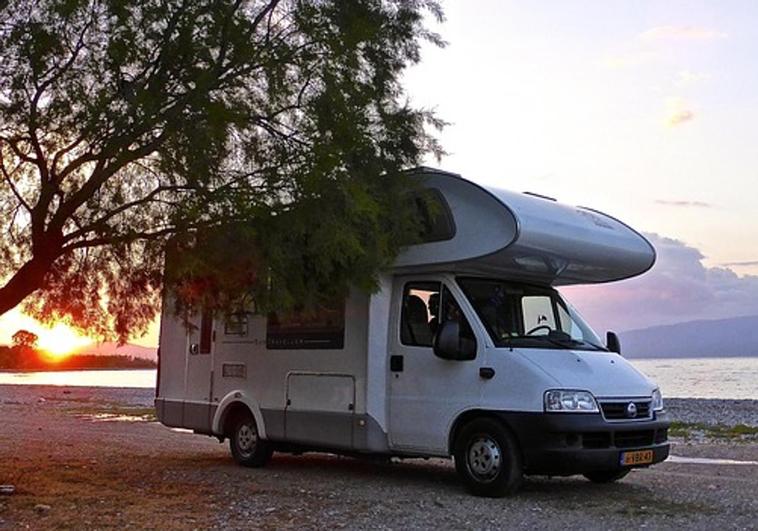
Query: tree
(24, 339)
(127, 123)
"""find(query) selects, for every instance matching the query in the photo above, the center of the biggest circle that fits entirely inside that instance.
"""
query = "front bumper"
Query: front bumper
(563, 444)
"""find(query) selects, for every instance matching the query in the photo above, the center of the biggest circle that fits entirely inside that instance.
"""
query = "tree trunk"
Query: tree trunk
(28, 279)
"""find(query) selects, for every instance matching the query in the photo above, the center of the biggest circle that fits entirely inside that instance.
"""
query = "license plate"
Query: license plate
(638, 457)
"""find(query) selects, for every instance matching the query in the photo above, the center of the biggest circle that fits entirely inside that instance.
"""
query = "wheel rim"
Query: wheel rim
(484, 458)
(247, 437)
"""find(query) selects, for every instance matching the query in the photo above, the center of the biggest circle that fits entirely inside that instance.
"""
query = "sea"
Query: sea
(728, 378)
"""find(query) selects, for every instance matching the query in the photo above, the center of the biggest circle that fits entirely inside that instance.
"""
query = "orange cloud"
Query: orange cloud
(678, 112)
(679, 117)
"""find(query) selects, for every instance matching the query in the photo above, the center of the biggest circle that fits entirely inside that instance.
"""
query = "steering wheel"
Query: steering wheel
(537, 328)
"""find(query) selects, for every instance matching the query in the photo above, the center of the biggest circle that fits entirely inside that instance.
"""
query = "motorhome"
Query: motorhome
(466, 350)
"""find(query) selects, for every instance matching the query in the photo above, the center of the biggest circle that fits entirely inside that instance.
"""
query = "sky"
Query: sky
(646, 110)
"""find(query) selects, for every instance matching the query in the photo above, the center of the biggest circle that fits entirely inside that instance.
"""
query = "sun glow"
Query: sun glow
(60, 341)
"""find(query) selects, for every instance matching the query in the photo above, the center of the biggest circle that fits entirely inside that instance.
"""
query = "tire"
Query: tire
(247, 448)
(488, 459)
(606, 476)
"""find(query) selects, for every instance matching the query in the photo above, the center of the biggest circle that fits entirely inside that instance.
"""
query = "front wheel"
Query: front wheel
(606, 476)
(248, 449)
(487, 457)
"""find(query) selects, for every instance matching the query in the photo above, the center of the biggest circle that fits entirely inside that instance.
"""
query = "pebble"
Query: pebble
(7, 490)
(42, 508)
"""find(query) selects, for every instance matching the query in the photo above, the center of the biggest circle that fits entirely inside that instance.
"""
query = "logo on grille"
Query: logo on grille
(631, 410)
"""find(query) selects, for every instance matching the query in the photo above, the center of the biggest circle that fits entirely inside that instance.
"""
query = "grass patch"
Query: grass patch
(738, 432)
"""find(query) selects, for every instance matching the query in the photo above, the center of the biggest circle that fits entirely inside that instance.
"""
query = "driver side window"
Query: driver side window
(425, 306)
(420, 314)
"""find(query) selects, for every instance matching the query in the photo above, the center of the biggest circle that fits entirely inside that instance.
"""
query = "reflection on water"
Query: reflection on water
(116, 417)
(105, 378)
(703, 377)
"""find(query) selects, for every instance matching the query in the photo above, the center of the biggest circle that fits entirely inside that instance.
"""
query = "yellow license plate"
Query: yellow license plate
(638, 457)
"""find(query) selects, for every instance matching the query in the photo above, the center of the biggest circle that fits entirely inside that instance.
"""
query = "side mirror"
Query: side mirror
(613, 343)
(449, 345)
(447, 341)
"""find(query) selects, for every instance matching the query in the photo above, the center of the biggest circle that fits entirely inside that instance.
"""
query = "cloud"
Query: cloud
(689, 33)
(678, 112)
(679, 117)
(629, 58)
(679, 288)
(680, 203)
(685, 78)
(746, 263)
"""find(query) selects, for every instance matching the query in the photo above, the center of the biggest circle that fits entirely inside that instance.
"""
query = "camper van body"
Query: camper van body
(366, 378)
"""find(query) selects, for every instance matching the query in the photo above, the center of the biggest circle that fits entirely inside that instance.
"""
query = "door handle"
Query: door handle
(396, 363)
(487, 373)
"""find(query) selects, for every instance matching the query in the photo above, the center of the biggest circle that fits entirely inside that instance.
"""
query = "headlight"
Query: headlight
(558, 400)
(657, 400)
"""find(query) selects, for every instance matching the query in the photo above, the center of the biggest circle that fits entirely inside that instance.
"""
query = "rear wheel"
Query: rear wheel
(487, 457)
(248, 449)
(606, 476)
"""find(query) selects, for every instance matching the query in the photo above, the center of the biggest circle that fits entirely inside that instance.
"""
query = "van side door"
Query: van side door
(197, 391)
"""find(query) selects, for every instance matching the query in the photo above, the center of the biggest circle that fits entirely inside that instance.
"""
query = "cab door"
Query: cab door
(426, 392)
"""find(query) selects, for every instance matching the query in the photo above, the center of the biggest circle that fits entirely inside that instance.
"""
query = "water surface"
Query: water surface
(92, 378)
(681, 377)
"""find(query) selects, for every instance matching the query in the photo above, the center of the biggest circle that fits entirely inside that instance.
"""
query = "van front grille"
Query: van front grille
(623, 439)
(599, 439)
(630, 439)
(619, 409)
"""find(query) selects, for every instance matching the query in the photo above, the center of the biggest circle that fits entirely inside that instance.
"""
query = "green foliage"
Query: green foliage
(279, 125)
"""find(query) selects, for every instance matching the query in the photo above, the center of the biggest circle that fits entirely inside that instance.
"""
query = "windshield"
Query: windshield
(521, 315)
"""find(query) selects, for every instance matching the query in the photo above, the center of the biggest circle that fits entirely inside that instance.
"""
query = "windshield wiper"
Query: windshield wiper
(564, 342)
(575, 342)
(554, 341)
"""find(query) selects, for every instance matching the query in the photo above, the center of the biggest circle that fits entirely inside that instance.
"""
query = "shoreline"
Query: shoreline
(75, 369)
(688, 411)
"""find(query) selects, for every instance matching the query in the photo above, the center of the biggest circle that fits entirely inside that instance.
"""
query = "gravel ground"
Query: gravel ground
(713, 412)
(74, 467)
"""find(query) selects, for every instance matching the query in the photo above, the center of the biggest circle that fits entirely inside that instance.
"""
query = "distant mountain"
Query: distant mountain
(737, 336)
(112, 349)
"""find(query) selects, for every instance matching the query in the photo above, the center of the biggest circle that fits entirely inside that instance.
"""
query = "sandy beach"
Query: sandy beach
(95, 458)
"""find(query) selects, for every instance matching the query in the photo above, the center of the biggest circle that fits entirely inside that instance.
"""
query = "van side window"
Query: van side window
(320, 329)
(236, 324)
(206, 331)
(420, 313)
(436, 219)
(424, 308)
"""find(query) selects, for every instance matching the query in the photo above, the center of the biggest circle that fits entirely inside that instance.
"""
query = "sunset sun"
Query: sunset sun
(60, 341)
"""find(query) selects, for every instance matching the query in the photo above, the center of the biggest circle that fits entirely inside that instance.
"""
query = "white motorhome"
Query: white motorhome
(466, 350)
